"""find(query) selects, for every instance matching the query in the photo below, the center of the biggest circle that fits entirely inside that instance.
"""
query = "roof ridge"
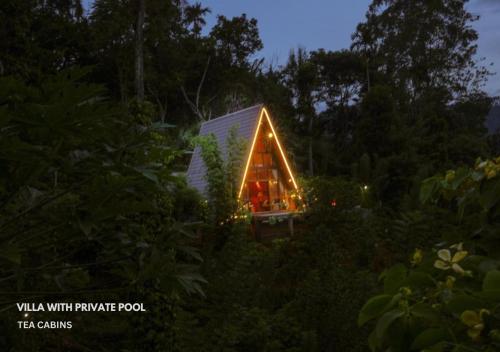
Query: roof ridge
(233, 113)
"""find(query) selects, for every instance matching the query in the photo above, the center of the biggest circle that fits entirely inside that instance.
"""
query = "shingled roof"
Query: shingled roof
(245, 121)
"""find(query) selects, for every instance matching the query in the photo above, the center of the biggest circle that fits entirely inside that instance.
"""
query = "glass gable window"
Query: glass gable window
(268, 184)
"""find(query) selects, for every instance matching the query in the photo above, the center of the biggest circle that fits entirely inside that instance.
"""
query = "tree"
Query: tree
(236, 39)
(88, 211)
(301, 77)
(113, 33)
(195, 17)
(342, 82)
(42, 37)
(341, 76)
(422, 45)
(424, 53)
(139, 50)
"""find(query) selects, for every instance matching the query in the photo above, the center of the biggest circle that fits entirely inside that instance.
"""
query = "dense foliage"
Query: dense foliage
(88, 210)
(449, 298)
(98, 112)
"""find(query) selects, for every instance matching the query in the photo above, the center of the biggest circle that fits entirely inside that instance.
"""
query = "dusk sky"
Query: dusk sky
(328, 24)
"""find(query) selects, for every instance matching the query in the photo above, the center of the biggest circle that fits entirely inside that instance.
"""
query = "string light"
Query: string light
(251, 152)
(263, 113)
(281, 149)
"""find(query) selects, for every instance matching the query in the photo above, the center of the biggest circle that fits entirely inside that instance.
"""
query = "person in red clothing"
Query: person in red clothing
(257, 201)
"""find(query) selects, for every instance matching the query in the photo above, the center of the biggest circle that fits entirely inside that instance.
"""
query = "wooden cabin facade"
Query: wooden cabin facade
(267, 185)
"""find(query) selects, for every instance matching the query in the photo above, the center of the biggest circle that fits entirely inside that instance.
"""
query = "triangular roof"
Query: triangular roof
(246, 122)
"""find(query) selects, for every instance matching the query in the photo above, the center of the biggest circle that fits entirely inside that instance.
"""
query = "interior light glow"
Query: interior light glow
(273, 133)
(280, 149)
(270, 135)
(251, 152)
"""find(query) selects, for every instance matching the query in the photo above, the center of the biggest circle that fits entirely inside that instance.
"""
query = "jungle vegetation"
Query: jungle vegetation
(99, 110)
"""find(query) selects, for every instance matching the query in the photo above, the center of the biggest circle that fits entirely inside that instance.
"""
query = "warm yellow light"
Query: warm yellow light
(281, 149)
(250, 153)
(270, 135)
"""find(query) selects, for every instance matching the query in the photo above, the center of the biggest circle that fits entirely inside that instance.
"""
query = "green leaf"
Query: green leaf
(425, 311)
(85, 226)
(486, 265)
(11, 253)
(149, 174)
(461, 348)
(490, 295)
(460, 176)
(394, 278)
(462, 302)
(374, 307)
(76, 278)
(491, 281)
(192, 252)
(419, 280)
(438, 347)
(5, 117)
(372, 341)
(429, 338)
(490, 193)
(428, 188)
(161, 125)
(385, 322)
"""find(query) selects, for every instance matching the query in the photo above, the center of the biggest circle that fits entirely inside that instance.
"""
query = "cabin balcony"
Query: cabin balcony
(269, 225)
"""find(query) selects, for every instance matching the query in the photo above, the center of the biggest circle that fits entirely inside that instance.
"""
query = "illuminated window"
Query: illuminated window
(268, 184)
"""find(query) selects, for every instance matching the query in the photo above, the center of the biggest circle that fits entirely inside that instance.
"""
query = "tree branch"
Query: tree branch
(195, 106)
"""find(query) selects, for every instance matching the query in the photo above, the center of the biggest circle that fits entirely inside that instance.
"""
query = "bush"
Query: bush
(87, 209)
(449, 299)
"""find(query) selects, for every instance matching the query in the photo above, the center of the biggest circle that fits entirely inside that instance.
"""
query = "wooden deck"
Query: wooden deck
(269, 225)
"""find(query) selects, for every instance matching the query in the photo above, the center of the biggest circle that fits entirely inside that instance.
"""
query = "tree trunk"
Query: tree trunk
(121, 83)
(310, 147)
(368, 73)
(139, 51)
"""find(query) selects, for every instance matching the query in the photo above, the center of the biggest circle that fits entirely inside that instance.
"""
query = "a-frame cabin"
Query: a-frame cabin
(267, 185)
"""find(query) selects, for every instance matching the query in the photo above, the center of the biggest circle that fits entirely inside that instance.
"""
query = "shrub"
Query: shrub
(449, 299)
